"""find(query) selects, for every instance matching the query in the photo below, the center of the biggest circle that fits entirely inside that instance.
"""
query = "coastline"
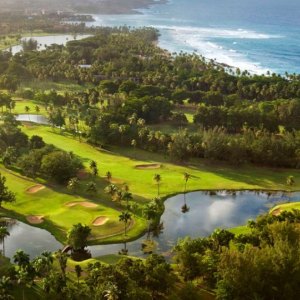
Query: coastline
(119, 7)
(78, 7)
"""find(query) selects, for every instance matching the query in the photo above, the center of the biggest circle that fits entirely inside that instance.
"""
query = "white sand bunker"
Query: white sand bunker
(115, 180)
(148, 167)
(35, 219)
(34, 189)
(100, 221)
(276, 212)
(83, 203)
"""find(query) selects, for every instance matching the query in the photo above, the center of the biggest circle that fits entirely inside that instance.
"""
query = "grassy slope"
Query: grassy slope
(122, 161)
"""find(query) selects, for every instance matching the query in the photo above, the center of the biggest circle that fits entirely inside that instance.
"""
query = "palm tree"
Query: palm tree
(132, 119)
(111, 293)
(157, 178)
(3, 234)
(111, 190)
(134, 144)
(186, 177)
(122, 131)
(125, 187)
(127, 197)
(117, 195)
(62, 259)
(108, 176)
(141, 122)
(150, 212)
(27, 110)
(48, 259)
(5, 288)
(21, 259)
(93, 167)
(22, 279)
(12, 105)
(73, 184)
(125, 216)
(37, 109)
(91, 188)
(290, 180)
(78, 271)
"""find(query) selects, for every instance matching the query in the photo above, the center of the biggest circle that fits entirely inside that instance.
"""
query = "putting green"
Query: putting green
(50, 208)
(59, 216)
(286, 206)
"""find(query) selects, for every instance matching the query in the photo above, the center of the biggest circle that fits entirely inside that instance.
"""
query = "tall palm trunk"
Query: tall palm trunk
(184, 193)
(148, 234)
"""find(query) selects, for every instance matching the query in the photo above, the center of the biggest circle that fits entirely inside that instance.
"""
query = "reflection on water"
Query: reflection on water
(207, 212)
(32, 118)
(31, 239)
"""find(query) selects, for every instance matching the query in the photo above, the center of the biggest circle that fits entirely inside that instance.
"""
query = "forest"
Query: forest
(125, 125)
(131, 84)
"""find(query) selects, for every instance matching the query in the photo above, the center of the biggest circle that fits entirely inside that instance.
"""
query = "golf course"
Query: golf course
(53, 207)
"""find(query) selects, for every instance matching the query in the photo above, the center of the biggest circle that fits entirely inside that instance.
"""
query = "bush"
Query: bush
(60, 166)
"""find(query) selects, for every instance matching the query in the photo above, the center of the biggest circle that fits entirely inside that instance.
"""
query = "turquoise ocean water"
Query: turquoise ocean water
(257, 35)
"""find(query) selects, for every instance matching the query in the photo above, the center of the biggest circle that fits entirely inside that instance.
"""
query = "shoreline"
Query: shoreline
(118, 237)
(77, 7)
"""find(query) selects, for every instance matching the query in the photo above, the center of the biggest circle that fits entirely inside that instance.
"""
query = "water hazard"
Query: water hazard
(207, 211)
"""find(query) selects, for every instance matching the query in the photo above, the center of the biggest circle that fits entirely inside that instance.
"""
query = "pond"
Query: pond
(207, 211)
(39, 119)
(31, 239)
(44, 41)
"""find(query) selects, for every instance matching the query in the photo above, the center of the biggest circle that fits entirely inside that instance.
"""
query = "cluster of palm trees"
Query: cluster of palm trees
(27, 110)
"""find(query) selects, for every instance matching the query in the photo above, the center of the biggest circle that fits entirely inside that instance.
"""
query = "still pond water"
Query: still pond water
(45, 41)
(207, 212)
(39, 119)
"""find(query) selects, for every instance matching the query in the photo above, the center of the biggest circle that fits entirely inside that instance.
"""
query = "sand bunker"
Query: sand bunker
(115, 181)
(148, 167)
(100, 221)
(84, 204)
(35, 219)
(35, 188)
(276, 212)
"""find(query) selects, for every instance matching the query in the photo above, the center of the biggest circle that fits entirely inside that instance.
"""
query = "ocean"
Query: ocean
(253, 35)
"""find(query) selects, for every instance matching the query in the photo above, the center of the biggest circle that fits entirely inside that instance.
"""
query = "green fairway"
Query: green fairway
(244, 229)
(52, 204)
(60, 87)
(21, 104)
(8, 41)
(121, 162)
(285, 206)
